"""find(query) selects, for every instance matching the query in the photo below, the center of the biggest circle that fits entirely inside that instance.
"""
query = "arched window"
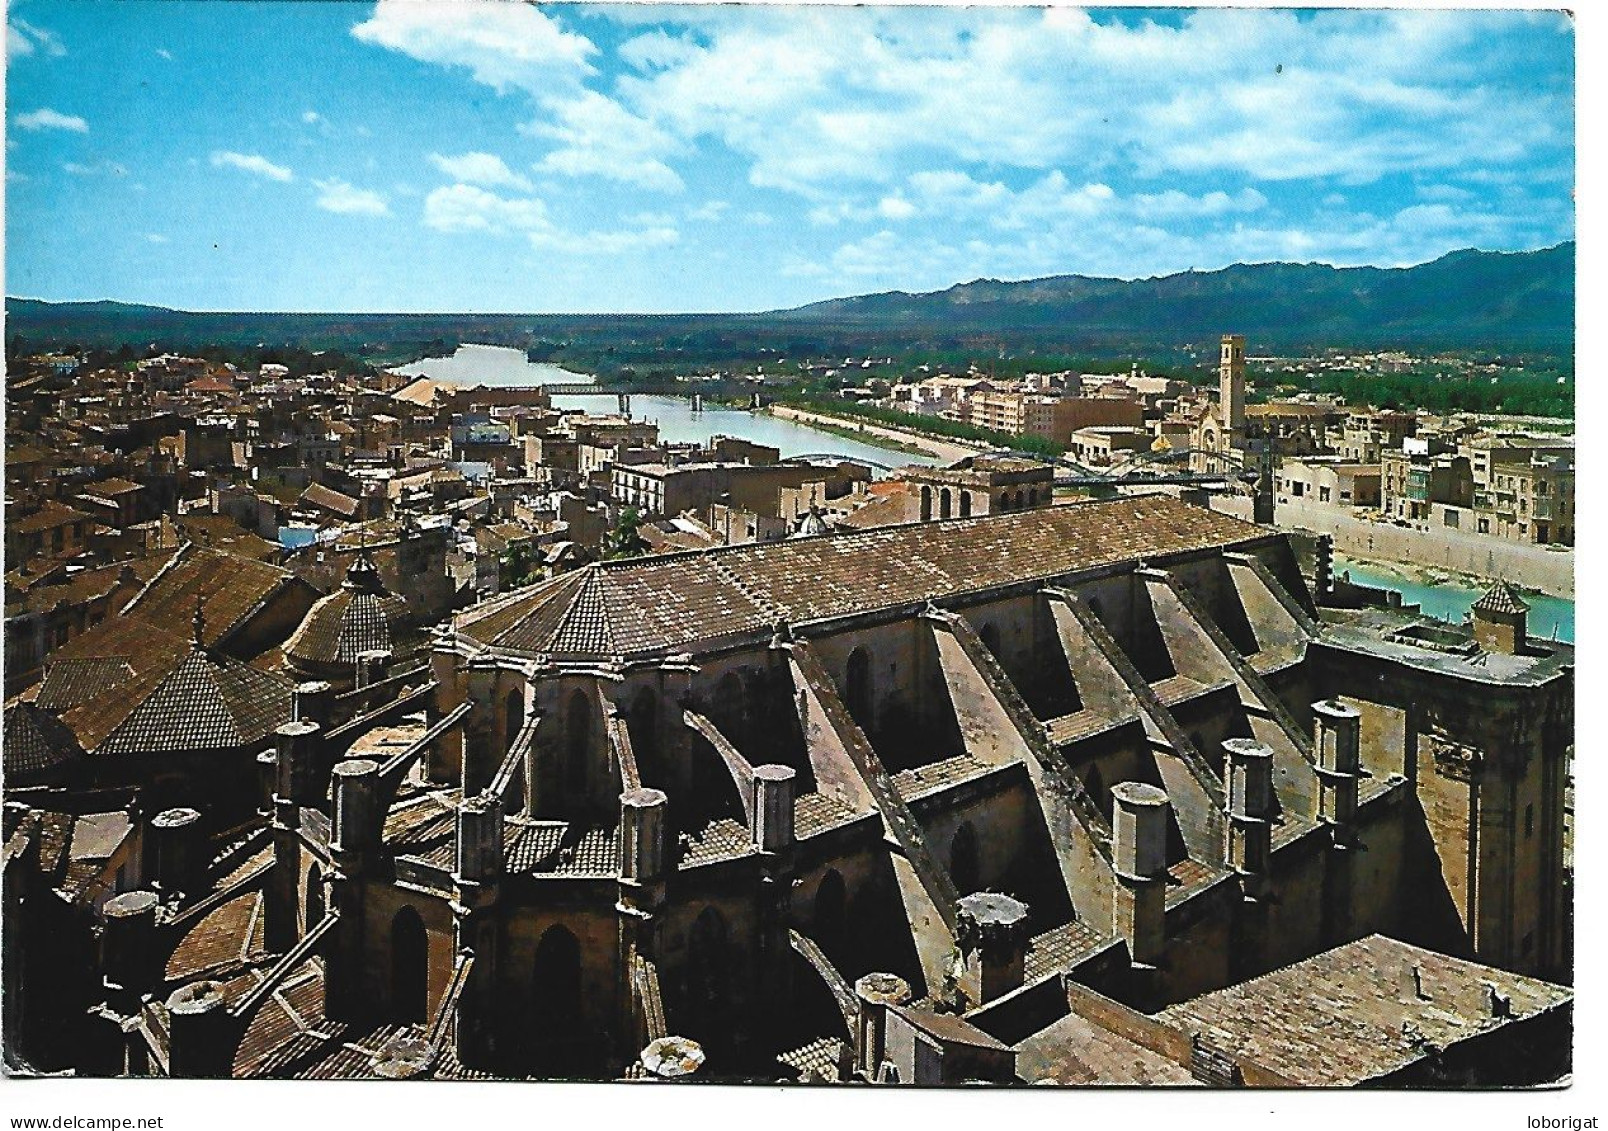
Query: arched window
(1021, 498)
(858, 698)
(963, 865)
(577, 741)
(965, 504)
(410, 967)
(315, 898)
(513, 718)
(926, 504)
(946, 503)
(555, 984)
(1032, 497)
(709, 974)
(1004, 501)
(828, 921)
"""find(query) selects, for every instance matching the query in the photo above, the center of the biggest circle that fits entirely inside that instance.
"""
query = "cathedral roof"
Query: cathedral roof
(671, 602)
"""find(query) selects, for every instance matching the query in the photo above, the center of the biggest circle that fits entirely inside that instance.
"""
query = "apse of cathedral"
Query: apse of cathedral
(1094, 793)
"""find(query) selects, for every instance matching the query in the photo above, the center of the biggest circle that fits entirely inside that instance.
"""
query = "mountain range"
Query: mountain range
(1466, 299)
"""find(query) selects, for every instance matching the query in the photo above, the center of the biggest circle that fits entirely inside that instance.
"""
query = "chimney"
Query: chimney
(772, 824)
(991, 930)
(1250, 810)
(371, 666)
(313, 701)
(480, 840)
(1336, 738)
(357, 827)
(297, 754)
(642, 816)
(200, 1032)
(1139, 898)
(1501, 621)
(176, 849)
(876, 993)
(128, 941)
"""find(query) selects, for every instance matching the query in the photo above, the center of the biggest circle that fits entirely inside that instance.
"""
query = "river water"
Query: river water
(1449, 600)
(498, 366)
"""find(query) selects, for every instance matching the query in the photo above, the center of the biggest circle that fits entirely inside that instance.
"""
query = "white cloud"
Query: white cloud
(23, 38)
(480, 169)
(251, 163)
(48, 119)
(466, 208)
(155, 237)
(599, 137)
(164, 53)
(709, 210)
(335, 195)
(311, 117)
(504, 45)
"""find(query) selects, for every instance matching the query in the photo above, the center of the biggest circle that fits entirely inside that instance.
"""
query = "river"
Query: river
(1449, 600)
(496, 365)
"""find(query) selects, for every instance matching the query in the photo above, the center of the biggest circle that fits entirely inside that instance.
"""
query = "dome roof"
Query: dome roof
(361, 616)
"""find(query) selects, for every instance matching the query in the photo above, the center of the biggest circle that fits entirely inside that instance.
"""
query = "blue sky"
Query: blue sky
(433, 156)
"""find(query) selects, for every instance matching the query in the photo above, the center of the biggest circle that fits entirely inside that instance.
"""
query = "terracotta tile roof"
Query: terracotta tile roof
(226, 937)
(205, 703)
(1075, 1050)
(331, 500)
(816, 813)
(673, 602)
(1501, 599)
(1060, 948)
(35, 742)
(818, 1059)
(71, 682)
(344, 625)
(1349, 1015)
(48, 517)
(231, 588)
(723, 839)
(147, 689)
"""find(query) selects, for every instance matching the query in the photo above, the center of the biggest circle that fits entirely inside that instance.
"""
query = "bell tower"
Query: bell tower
(1231, 388)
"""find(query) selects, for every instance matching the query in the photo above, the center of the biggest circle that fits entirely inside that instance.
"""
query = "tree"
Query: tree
(624, 540)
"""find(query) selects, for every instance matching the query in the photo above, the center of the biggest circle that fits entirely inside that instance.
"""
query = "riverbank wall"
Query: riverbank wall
(947, 450)
(1523, 564)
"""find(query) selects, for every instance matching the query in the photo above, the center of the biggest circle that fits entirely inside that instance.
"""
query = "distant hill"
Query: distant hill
(1506, 301)
(1477, 297)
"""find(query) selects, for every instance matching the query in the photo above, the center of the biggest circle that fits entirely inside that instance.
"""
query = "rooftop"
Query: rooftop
(1361, 1011)
(674, 601)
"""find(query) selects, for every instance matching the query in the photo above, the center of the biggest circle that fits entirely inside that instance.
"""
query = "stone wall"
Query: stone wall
(1531, 566)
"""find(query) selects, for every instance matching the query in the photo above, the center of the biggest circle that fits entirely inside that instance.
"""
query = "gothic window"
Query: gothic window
(577, 740)
(926, 504)
(828, 921)
(965, 504)
(555, 984)
(315, 898)
(410, 967)
(858, 697)
(946, 503)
